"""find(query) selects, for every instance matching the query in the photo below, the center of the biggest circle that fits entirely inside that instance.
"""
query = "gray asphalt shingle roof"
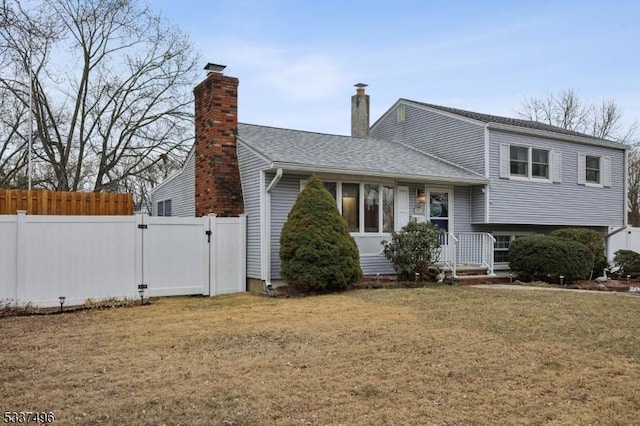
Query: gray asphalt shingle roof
(528, 124)
(343, 153)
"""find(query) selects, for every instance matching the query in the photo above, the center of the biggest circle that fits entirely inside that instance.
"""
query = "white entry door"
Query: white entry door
(402, 207)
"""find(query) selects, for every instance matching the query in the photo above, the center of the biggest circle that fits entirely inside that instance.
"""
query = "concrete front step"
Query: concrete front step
(480, 279)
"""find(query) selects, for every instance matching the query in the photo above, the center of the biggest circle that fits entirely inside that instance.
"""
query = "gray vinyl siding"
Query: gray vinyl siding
(283, 197)
(250, 166)
(378, 264)
(478, 205)
(461, 209)
(564, 203)
(451, 139)
(413, 188)
(180, 189)
(529, 229)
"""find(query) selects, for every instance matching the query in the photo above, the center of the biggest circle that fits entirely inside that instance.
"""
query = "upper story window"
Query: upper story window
(592, 169)
(529, 163)
(164, 208)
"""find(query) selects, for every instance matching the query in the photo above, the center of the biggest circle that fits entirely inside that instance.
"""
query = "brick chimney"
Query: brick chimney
(218, 187)
(360, 112)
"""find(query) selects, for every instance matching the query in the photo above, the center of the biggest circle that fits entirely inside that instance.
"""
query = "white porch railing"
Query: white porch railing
(473, 248)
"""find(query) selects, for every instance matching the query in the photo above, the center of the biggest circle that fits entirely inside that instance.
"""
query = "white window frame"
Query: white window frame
(505, 265)
(604, 167)
(529, 176)
(450, 214)
(554, 164)
(361, 185)
(164, 207)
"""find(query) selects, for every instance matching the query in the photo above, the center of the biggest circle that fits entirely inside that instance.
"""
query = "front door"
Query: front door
(440, 209)
(402, 207)
(440, 214)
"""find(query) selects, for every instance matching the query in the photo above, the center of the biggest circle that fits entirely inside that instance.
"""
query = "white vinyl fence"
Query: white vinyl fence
(623, 239)
(81, 257)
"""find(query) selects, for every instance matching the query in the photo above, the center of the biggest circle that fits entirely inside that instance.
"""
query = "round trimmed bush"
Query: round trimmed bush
(317, 253)
(547, 258)
(413, 249)
(590, 238)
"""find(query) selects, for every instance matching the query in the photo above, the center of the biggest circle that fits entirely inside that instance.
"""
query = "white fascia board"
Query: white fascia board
(398, 176)
(554, 135)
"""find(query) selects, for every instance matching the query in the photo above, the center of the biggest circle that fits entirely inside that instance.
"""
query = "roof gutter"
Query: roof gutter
(400, 176)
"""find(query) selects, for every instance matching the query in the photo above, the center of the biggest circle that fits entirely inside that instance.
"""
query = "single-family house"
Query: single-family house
(485, 180)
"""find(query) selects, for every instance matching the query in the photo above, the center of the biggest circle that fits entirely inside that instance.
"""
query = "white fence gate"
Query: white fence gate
(81, 257)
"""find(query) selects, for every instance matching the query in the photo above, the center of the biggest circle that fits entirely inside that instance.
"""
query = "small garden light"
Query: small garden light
(378, 278)
(417, 275)
(561, 279)
(61, 299)
(141, 289)
(510, 278)
(628, 278)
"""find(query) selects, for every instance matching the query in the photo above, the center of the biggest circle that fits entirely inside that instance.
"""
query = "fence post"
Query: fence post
(21, 257)
(139, 245)
(213, 248)
(243, 253)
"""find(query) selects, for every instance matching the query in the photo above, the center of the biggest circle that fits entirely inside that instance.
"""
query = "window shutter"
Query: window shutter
(504, 160)
(606, 171)
(557, 166)
(582, 169)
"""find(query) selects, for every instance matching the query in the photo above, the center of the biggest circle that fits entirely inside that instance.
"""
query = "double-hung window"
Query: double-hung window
(521, 162)
(594, 170)
(528, 162)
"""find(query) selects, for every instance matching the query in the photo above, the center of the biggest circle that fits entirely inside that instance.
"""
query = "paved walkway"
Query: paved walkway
(526, 287)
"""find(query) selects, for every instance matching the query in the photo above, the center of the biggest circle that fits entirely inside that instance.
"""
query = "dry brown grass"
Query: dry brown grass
(443, 355)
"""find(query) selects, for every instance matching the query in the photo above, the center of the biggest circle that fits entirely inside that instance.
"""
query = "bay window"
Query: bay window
(368, 208)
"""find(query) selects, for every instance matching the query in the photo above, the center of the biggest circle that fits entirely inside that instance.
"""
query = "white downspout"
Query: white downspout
(267, 246)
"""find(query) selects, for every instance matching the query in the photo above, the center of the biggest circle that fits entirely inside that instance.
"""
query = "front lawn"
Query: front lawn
(440, 355)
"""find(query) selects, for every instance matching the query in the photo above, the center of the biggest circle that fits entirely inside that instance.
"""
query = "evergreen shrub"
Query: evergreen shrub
(317, 253)
(413, 249)
(544, 257)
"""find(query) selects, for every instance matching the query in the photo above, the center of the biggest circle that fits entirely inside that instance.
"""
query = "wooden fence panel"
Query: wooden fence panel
(42, 202)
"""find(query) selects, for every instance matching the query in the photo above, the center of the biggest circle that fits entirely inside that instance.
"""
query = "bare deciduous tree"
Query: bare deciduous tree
(111, 84)
(605, 121)
(568, 111)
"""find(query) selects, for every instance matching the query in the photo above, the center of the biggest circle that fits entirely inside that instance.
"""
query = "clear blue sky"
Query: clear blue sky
(297, 61)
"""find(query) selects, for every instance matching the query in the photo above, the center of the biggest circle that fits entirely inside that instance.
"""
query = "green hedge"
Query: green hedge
(543, 257)
(590, 238)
